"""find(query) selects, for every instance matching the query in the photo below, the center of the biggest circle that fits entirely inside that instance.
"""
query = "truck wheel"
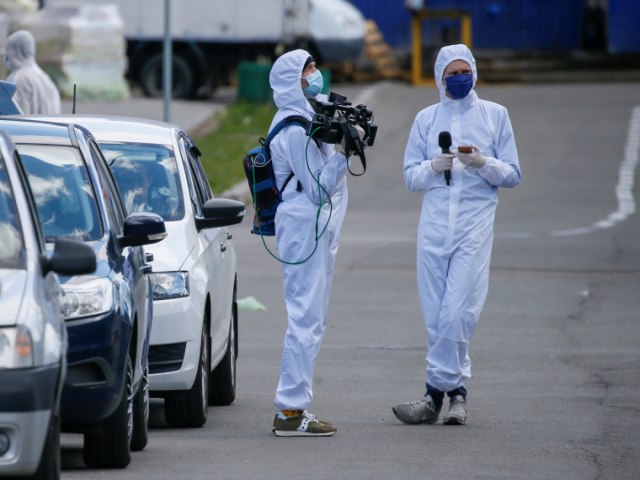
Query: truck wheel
(182, 81)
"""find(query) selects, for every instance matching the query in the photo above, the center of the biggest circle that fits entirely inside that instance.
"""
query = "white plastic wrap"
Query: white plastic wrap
(82, 45)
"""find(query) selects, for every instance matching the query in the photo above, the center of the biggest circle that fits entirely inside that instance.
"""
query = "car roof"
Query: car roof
(29, 131)
(6, 145)
(118, 128)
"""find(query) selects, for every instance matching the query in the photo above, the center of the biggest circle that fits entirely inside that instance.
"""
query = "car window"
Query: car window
(147, 178)
(196, 197)
(198, 173)
(11, 241)
(63, 192)
(33, 209)
(109, 191)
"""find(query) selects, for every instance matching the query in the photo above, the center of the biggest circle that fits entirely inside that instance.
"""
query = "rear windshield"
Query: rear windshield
(11, 242)
(147, 178)
(63, 192)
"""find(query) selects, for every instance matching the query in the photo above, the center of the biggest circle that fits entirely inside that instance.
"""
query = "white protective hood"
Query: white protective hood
(20, 50)
(285, 81)
(448, 54)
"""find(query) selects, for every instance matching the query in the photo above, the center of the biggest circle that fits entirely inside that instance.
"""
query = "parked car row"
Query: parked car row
(157, 315)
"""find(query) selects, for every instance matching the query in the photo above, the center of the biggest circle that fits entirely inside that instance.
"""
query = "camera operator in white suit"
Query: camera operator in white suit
(319, 176)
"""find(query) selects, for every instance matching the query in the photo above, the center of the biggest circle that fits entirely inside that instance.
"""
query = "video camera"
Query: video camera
(336, 119)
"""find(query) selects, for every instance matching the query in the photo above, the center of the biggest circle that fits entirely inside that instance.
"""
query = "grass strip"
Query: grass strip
(239, 128)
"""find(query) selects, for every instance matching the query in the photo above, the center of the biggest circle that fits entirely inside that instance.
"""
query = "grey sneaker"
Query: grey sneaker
(457, 414)
(421, 411)
(303, 425)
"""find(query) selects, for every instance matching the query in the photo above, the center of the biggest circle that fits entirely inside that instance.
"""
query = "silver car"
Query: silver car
(33, 338)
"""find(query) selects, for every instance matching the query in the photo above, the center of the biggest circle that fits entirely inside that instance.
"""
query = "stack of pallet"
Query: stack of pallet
(81, 45)
(379, 54)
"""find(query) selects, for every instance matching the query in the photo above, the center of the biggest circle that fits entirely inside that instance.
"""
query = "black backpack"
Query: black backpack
(262, 180)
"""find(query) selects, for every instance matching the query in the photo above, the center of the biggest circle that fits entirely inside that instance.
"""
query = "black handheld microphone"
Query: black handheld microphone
(444, 142)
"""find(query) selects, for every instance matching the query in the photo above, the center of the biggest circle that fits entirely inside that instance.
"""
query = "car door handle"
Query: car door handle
(223, 247)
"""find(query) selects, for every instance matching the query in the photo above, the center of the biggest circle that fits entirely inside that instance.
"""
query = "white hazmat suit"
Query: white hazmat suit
(306, 286)
(36, 92)
(455, 233)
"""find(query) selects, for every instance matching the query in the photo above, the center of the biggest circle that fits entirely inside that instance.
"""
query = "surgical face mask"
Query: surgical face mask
(459, 85)
(315, 83)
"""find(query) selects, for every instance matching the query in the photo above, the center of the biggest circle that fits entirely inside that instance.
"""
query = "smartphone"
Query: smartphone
(465, 149)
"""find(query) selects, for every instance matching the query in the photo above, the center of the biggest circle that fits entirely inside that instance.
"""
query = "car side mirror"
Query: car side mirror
(142, 228)
(71, 257)
(220, 212)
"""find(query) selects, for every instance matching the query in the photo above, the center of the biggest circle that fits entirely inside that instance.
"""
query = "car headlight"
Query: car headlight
(169, 285)
(85, 299)
(16, 347)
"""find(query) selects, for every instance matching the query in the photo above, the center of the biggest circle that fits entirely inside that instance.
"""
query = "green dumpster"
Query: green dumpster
(253, 82)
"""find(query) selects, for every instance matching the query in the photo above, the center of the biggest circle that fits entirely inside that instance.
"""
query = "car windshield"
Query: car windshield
(11, 243)
(147, 177)
(64, 196)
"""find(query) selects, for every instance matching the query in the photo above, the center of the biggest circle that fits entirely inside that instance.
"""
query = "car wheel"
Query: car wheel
(112, 447)
(49, 468)
(190, 410)
(222, 386)
(182, 79)
(140, 435)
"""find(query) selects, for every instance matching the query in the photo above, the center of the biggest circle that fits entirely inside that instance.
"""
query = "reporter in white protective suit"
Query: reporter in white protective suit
(455, 233)
(318, 176)
(35, 91)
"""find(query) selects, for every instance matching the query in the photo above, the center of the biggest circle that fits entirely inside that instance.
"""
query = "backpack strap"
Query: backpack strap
(285, 122)
(294, 119)
(286, 182)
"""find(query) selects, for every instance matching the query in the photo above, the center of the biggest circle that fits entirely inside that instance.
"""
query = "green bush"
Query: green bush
(223, 149)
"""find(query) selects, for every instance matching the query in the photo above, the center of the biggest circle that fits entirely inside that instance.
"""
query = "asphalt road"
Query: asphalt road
(556, 362)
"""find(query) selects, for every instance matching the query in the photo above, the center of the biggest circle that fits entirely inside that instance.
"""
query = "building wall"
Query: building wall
(521, 25)
(624, 26)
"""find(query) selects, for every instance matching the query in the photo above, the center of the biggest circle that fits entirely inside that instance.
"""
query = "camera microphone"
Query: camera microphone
(444, 142)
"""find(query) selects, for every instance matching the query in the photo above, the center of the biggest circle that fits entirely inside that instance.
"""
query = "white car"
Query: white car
(33, 340)
(193, 346)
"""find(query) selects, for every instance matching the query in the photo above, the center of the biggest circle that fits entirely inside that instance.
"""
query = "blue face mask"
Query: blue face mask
(315, 83)
(459, 85)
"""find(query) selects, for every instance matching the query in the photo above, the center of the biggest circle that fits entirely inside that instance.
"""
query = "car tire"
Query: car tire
(222, 385)
(112, 447)
(49, 468)
(151, 77)
(190, 410)
(140, 434)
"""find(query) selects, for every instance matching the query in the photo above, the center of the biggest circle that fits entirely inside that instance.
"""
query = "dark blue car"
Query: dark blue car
(108, 313)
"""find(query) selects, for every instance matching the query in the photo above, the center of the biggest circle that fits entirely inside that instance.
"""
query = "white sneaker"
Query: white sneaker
(457, 414)
(420, 411)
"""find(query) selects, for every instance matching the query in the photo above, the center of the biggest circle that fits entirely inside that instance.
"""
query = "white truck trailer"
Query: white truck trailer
(211, 37)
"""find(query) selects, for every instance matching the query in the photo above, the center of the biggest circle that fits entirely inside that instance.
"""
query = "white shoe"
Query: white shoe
(457, 414)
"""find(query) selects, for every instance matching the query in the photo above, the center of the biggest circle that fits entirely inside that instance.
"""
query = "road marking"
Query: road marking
(367, 94)
(624, 188)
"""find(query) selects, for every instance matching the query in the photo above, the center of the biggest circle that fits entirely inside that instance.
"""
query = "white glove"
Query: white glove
(474, 159)
(442, 162)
